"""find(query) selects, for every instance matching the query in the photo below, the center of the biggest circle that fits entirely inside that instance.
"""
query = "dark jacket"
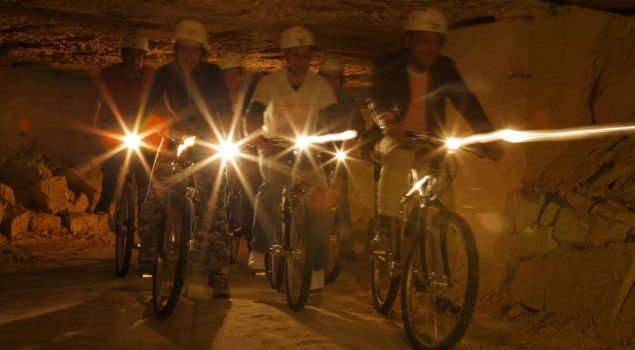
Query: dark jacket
(391, 92)
(209, 83)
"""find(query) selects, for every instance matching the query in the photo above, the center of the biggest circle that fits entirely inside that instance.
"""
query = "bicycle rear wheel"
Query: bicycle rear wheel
(336, 256)
(440, 284)
(125, 222)
(172, 260)
(298, 268)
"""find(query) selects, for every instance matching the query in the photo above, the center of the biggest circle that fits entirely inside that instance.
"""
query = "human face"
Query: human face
(335, 80)
(425, 48)
(133, 59)
(189, 55)
(298, 59)
(233, 78)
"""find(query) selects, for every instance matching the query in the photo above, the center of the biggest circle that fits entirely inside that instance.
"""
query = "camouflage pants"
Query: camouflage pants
(210, 249)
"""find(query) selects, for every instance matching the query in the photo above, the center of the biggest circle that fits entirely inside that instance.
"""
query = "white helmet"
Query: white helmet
(428, 20)
(135, 40)
(296, 36)
(230, 60)
(190, 30)
(332, 65)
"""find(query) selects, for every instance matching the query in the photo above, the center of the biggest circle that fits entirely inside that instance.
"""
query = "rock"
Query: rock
(582, 230)
(80, 204)
(3, 239)
(523, 209)
(6, 194)
(574, 283)
(2, 208)
(45, 223)
(22, 175)
(86, 180)
(514, 311)
(579, 201)
(50, 194)
(532, 242)
(16, 222)
(550, 211)
(80, 223)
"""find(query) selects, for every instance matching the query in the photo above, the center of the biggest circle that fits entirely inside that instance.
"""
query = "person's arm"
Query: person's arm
(158, 87)
(466, 102)
(468, 105)
(254, 116)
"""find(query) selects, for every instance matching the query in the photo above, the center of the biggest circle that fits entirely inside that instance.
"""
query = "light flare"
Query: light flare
(517, 136)
(303, 142)
(340, 155)
(132, 141)
(228, 150)
(187, 143)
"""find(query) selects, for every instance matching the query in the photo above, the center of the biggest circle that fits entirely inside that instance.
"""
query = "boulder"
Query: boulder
(2, 209)
(531, 242)
(81, 223)
(21, 175)
(579, 201)
(45, 223)
(575, 283)
(16, 222)
(80, 204)
(550, 211)
(6, 194)
(50, 194)
(3, 239)
(582, 230)
(87, 180)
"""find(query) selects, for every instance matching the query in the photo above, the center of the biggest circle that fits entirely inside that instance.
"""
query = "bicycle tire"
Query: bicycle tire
(471, 292)
(298, 234)
(184, 207)
(124, 241)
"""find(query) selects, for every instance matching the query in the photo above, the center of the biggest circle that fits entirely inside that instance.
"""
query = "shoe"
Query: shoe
(317, 280)
(380, 244)
(256, 261)
(219, 281)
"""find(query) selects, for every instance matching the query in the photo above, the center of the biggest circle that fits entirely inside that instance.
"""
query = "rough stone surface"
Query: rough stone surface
(80, 223)
(582, 230)
(6, 194)
(3, 239)
(573, 283)
(80, 204)
(523, 209)
(531, 242)
(22, 175)
(50, 194)
(16, 222)
(579, 201)
(45, 223)
(550, 211)
(2, 210)
(86, 180)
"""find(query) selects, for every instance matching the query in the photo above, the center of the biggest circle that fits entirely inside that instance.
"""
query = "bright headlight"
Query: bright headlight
(132, 141)
(303, 142)
(340, 156)
(228, 150)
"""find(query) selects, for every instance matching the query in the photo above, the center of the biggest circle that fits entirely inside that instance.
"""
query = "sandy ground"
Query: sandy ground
(73, 301)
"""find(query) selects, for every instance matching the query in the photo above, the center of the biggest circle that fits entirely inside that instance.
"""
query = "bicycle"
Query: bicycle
(440, 274)
(178, 222)
(290, 258)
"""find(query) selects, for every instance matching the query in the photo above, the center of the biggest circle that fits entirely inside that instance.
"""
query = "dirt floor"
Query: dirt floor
(71, 300)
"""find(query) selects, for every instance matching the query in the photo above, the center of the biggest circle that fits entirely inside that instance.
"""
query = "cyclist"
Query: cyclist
(241, 86)
(121, 90)
(196, 96)
(409, 93)
(350, 118)
(286, 104)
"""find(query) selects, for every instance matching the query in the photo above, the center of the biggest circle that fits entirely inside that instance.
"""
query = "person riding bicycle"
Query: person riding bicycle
(121, 89)
(241, 86)
(409, 92)
(350, 118)
(195, 94)
(286, 104)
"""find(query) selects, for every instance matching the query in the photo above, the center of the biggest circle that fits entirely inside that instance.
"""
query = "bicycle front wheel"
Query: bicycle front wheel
(298, 269)
(440, 284)
(172, 260)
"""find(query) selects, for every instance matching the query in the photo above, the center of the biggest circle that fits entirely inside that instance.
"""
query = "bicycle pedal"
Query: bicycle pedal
(145, 275)
(137, 246)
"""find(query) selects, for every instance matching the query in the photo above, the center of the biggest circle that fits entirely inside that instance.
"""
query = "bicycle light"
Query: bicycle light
(228, 150)
(340, 156)
(132, 141)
